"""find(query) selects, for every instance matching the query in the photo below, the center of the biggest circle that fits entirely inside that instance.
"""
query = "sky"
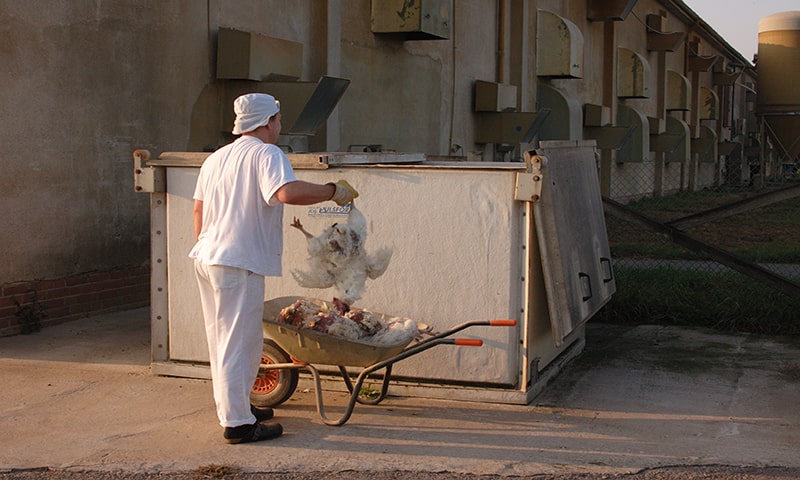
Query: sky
(737, 20)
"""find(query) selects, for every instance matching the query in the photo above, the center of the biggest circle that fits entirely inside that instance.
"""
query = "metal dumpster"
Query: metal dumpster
(524, 241)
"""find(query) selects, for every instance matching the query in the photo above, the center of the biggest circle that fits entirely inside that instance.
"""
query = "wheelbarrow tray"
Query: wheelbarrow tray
(311, 346)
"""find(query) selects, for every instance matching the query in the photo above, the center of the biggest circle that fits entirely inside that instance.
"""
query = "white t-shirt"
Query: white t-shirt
(242, 222)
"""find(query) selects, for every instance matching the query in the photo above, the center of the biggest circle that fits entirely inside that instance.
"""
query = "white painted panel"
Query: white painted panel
(187, 336)
(457, 241)
(456, 237)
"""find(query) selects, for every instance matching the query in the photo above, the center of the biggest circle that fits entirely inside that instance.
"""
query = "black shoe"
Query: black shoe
(252, 433)
(262, 413)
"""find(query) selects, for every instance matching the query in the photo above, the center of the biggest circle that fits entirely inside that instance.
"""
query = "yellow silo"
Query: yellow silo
(778, 67)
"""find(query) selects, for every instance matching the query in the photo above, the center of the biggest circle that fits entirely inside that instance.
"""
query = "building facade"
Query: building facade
(667, 100)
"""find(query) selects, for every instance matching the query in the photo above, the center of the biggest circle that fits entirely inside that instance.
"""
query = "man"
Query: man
(238, 228)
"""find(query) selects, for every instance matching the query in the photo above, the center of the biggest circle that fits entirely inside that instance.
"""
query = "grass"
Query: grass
(728, 302)
(368, 392)
(767, 234)
(722, 300)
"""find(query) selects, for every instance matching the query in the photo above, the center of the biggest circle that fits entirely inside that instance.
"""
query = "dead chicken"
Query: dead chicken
(337, 258)
(352, 323)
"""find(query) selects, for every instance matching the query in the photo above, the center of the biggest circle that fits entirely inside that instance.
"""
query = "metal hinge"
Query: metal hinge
(147, 178)
(529, 184)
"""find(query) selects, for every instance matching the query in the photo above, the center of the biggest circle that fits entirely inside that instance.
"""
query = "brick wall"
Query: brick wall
(59, 300)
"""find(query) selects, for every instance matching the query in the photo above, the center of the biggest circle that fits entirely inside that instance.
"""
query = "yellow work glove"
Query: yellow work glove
(344, 194)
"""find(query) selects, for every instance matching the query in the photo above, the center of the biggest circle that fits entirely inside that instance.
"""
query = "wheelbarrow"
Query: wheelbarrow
(288, 349)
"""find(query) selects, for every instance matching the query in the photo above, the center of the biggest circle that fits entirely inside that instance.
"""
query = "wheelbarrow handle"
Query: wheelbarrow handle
(468, 342)
(503, 323)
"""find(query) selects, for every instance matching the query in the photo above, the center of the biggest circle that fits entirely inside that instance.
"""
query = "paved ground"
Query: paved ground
(661, 401)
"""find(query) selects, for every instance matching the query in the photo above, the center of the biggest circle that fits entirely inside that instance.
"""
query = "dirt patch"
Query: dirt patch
(717, 472)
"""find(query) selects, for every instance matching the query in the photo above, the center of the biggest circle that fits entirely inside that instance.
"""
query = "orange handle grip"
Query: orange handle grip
(468, 342)
(296, 361)
(502, 323)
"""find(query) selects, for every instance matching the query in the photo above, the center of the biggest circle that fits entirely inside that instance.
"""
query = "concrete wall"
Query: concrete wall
(83, 84)
(87, 82)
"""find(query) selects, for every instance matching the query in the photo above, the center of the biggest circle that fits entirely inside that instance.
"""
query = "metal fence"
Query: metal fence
(717, 224)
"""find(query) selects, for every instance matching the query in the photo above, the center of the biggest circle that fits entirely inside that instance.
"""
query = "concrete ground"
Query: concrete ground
(80, 396)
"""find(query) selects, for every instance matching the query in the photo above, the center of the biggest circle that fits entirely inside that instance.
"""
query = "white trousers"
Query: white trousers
(233, 304)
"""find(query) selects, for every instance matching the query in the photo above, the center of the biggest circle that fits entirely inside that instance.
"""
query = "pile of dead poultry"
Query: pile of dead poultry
(340, 320)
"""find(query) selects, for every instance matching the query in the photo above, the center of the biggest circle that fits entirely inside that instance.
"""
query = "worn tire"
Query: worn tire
(273, 387)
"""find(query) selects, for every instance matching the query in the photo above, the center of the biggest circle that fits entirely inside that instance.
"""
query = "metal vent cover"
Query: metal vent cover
(323, 100)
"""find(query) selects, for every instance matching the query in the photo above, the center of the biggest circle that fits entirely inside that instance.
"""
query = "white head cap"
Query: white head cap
(252, 111)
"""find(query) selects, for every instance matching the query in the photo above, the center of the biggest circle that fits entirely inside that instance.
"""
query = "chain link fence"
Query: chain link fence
(710, 243)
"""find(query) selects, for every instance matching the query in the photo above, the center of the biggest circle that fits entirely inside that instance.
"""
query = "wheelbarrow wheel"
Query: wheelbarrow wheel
(273, 387)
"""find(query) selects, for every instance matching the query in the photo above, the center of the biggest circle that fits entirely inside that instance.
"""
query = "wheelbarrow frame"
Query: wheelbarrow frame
(385, 363)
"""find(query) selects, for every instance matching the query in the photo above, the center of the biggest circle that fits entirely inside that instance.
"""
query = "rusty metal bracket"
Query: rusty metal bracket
(528, 186)
(147, 178)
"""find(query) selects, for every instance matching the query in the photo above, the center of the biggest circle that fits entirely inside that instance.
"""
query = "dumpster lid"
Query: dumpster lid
(571, 230)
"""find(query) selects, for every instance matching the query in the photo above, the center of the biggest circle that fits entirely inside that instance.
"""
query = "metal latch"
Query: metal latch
(529, 184)
(147, 178)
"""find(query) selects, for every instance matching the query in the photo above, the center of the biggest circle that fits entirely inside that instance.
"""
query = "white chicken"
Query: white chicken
(337, 257)
(396, 331)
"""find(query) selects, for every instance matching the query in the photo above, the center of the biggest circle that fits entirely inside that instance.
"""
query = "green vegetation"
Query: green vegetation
(655, 291)
(368, 392)
(767, 234)
(728, 302)
(30, 315)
